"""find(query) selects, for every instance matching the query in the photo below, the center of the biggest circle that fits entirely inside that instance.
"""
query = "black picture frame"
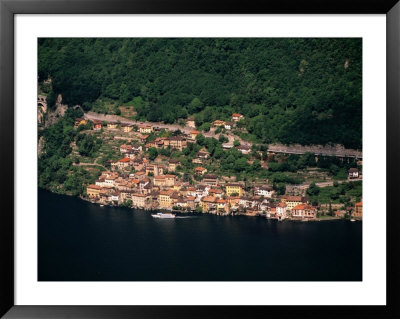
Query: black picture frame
(9, 8)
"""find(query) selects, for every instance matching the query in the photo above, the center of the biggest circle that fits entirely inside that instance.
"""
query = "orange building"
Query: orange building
(358, 210)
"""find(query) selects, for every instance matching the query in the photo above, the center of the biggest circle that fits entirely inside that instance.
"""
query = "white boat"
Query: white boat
(352, 220)
(101, 205)
(163, 215)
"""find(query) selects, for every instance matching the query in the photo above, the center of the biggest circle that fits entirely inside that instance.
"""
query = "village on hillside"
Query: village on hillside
(143, 178)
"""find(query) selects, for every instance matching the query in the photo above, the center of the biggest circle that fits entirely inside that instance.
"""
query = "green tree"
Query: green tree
(313, 190)
(153, 153)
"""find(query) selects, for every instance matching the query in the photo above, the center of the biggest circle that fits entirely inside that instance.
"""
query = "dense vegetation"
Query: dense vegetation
(304, 91)
(55, 167)
(344, 193)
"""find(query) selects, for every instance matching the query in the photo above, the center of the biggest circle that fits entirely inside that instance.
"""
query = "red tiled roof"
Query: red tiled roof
(303, 206)
(169, 193)
(213, 190)
(208, 199)
(94, 186)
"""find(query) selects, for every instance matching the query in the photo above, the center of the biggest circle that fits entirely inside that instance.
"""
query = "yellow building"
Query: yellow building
(164, 199)
(292, 201)
(173, 164)
(219, 123)
(147, 129)
(233, 188)
(127, 128)
(208, 203)
(111, 125)
(177, 142)
(164, 180)
(93, 191)
(139, 200)
(222, 206)
(80, 121)
(193, 134)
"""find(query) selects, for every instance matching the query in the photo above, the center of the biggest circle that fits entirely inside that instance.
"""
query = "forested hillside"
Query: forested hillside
(306, 91)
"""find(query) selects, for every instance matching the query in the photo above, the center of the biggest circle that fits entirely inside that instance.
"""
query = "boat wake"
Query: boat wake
(182, 217)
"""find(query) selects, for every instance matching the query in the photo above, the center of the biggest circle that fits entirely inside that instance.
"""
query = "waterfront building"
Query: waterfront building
(190, 200)
(304, 211)
(222, 206)
(292, 201)
(209, 204)
(357, 213)
(281, 211)
(234, 200)
(93, 191)
(140, 200)
(115, 196)
(164, 199)
(271, 212)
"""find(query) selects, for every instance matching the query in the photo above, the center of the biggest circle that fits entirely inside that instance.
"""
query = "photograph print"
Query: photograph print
(199, 159)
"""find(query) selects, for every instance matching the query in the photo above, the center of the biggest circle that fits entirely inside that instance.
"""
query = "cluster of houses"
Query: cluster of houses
(153, 185)
(236, 117)
(136, 181)
(228, 125)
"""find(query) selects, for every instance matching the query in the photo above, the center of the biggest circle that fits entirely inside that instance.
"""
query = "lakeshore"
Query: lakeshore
(146, 166)
(81, 241)
(188, 212)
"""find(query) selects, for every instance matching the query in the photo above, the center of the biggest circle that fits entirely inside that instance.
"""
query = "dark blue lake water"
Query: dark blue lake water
(80, 241)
